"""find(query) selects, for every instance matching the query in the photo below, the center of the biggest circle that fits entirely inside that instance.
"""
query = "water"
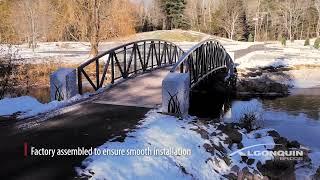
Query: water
(296, 117)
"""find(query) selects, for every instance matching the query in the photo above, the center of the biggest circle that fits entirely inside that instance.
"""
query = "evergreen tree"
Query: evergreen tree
(307, 42)
(174, 14)
(317, 43)
(250, 38)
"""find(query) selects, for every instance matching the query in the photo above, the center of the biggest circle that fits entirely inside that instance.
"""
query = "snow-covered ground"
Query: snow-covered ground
(303, 61)
(293, 54)
(162, 132)
(61, 52)
(26, 106)
(78, 52)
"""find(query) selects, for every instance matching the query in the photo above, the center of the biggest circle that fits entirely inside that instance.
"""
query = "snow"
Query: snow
(62, 52)
(27, 106)
(303, 63)
(159, 131)
(10, 106)
(237, 45)
(239, 108)
(277, 58)
(303, 172)
(78, 52)
(276, 55)
(259, 144)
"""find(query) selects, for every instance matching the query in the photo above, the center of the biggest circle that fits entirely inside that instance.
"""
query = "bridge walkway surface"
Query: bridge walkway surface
(141, 91)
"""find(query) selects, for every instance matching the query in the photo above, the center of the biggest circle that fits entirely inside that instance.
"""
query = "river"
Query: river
(296, 117)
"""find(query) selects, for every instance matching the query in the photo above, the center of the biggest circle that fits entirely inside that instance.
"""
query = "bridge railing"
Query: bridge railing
(203, 59)
(127, 59)
(199, 62)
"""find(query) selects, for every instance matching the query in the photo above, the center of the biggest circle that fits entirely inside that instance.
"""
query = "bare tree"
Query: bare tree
(317, 6)
(94, 25)
(29, 9)
(229, 15)
(291, 12)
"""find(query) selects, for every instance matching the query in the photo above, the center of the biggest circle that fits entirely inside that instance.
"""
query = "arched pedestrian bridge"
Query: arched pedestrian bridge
(134, 72)
(136, 75)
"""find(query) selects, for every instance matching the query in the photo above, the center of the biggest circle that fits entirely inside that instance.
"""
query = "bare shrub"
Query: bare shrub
(251, 121)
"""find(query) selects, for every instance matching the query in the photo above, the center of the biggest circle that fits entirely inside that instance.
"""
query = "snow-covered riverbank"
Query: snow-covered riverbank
(295, 65)
(215, 152)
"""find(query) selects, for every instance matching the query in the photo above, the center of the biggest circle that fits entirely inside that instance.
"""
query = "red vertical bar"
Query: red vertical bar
(25, 145)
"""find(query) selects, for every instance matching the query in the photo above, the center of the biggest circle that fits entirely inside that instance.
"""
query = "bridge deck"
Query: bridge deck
(141, 91)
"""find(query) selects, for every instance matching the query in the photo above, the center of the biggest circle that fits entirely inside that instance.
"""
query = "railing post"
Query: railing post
(112, 68)
(164, 52)
(144, 56)
(135, 57)
(159, 54)
(125, 62)
(79, 81)
(181, 68)
(63, 84)
(97, 74)
(153, 47)
(175, 94)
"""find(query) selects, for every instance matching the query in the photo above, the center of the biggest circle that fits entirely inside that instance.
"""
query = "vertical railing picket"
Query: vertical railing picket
(135, 57)
(112, 67)
(170, 56)
(144, 55)
(152, 46)
(79, 80)
(97, 73)
(159, 52)
(125, 62)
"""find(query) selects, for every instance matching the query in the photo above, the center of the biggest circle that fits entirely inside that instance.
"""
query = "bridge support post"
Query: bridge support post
(63, 84)
(175, 94)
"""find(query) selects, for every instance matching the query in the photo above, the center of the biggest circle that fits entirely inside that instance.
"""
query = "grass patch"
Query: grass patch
(172, 35)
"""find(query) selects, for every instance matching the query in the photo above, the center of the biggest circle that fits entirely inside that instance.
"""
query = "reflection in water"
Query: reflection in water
(306, 101)
(296, 117)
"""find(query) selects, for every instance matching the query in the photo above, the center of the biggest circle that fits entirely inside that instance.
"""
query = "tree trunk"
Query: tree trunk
(318, 28)
(95, 29)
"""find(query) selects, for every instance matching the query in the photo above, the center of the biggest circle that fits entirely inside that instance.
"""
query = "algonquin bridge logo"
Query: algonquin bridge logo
(250, 151)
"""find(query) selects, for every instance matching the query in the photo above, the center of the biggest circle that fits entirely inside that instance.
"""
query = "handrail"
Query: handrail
(119, 47)
(202, 59)
(143, 55)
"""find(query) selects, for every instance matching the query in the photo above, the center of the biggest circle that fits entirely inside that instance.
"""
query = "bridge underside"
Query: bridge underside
(141, 91)
(211, 95)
